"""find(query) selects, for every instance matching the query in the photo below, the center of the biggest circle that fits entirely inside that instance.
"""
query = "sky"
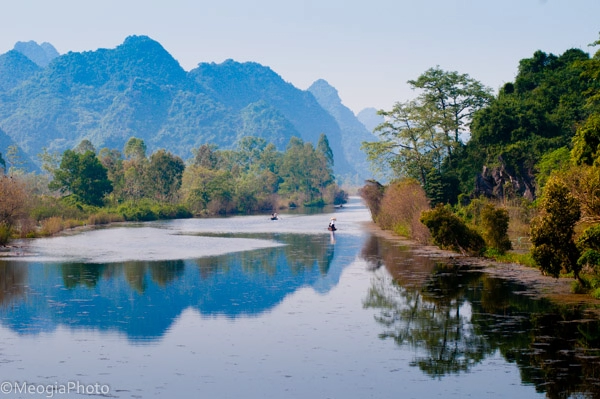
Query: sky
(366, 49)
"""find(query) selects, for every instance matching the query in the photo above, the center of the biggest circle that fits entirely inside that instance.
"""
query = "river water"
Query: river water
(246, 307)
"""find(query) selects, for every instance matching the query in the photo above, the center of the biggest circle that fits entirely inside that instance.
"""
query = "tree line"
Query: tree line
(83, 185)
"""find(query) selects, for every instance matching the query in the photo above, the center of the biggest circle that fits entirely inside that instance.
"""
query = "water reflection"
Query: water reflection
(454, 317)
(12, 280)
(142, 299)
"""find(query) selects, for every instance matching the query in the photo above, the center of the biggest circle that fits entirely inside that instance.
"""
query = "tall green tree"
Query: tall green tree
(419, 138)
(164, 174)
(84, 146)
(455, 97)
(324, 148)
(304, 171)
(135, 169)
(410, 144)
(205, 156)
(84, 176)
(552, 233)
(112, 160)
(135, 148)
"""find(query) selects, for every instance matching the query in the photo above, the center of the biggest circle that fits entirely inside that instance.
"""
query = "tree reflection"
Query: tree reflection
(163, 273)
(431, 320)
(300, 253)
(12, 282)
(88, 274)
(75, 274)
(456, 317)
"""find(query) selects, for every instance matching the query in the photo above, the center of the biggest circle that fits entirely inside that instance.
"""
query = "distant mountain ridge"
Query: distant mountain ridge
(41, 54)
(138, 89)
(354, 132)
(369, 118)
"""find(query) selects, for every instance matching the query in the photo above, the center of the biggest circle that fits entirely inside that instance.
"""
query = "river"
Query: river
(246, 307)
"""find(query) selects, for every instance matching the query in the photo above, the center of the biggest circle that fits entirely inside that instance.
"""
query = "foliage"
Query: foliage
(135, 148)
(494, 223)
(13, 203)
(586, 141)
(552, 232)
(164, 174)
(549, 163)
(448, 231)
(418, 138)
(305, 173)
(583, 182)
(455, 97)
(85, 146)
(324, 148)
(588, 244)
(84, 176)
(203, 187)
(372, 193)
(528, 120)
(257, 177)
(401, 207)
(147, 210)
(5, 233)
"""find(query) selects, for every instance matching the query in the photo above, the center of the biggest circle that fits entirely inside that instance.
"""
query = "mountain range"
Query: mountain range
(139, 90)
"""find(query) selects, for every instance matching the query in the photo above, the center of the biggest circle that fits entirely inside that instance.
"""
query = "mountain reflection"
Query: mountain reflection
(455, 317)
(143, 299)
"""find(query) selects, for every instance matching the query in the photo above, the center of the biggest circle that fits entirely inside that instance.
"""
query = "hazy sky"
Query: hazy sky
(366, 49)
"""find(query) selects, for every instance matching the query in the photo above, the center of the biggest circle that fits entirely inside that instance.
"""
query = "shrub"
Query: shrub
(372, 192)
(400, 209)
(137, 212)
(494, 223)
(450, 232)
(170, 211)
(51, 226)
(46, 207)
(5, 233)
(104, 218)
(552, 231)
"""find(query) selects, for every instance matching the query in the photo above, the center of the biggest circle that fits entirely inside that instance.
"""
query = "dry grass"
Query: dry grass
(401, 207)
(52, 226)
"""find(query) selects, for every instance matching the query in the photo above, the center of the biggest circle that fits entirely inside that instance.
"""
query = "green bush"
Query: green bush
(590, 239)
(46, 207)
(494, 223)
(148, 210)
(170, 211)
(554, 249)
(5, 233)
(448, 231)
(137, 212)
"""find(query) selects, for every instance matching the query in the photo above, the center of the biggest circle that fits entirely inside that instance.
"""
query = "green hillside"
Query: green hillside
(138, 89)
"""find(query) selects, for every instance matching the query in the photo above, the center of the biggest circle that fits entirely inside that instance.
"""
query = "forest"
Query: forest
(83, 186)
(513, 176)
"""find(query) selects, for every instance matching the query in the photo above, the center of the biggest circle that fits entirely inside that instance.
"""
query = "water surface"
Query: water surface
(253, 308)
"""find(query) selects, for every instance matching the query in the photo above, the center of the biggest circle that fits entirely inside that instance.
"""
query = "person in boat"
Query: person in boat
(274, 216)
(332, 225)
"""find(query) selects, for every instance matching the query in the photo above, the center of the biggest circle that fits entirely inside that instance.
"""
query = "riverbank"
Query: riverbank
(539, 286)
